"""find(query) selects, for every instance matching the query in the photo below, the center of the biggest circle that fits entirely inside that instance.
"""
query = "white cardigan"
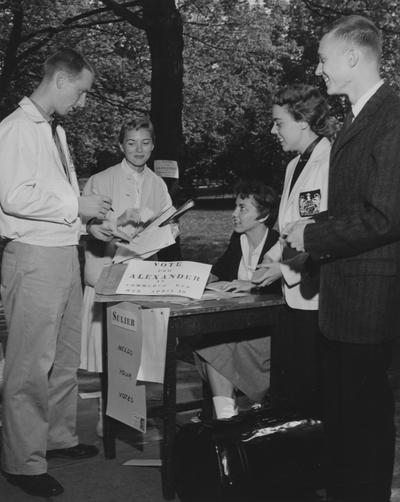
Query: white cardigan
(309, 196)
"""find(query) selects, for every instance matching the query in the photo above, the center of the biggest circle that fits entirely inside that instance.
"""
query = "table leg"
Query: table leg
(207, 404)
(108, 429)
(277, 375)
(169, 419)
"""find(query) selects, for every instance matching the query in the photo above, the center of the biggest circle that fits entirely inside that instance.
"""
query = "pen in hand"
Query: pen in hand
(95, 192)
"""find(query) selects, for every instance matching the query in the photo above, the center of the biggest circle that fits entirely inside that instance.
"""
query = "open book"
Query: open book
(171, 214)
(156, 235)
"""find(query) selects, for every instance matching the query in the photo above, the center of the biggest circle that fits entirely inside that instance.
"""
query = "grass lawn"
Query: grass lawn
(205, 232)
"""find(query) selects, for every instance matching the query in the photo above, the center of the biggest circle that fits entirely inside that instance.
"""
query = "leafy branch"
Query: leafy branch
(103, 98)
(68, 23)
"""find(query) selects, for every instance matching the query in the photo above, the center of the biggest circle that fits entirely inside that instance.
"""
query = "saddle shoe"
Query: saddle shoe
(38, 485)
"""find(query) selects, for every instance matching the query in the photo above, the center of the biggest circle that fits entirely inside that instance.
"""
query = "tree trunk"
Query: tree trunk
(10, 58)
(163, 27)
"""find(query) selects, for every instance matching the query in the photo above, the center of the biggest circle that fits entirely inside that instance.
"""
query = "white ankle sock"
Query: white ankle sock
(225, 407)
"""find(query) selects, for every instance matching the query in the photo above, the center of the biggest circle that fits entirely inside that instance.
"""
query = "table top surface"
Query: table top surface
(249, 301)
(179, 306)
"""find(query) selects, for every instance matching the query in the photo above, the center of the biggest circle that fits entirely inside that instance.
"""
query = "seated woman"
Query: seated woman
(242, 365)
(138, 195)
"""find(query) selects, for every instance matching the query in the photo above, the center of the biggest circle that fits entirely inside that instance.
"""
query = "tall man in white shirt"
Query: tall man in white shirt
(40, 210)
(358, 243)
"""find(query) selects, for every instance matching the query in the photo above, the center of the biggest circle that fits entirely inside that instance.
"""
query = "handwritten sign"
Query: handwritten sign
(126, 401)
(166, 168)
(181, 278)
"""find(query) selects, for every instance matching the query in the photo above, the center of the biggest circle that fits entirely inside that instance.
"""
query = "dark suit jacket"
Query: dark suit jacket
(227, 266)
(360, 238)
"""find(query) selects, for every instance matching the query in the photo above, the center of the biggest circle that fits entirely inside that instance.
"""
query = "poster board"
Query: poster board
(181, 278)
(126, 400)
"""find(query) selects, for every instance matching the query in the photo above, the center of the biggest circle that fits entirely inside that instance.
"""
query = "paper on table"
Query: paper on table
(145, 244)
(218, 285)
(110, 278)
(220, 295)
(220, 289)
(182, 278)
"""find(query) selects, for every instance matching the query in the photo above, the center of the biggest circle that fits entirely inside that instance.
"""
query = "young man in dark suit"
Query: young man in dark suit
(358, 243)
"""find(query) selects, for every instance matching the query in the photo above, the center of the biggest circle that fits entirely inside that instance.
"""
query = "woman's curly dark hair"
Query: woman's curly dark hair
(306, 103)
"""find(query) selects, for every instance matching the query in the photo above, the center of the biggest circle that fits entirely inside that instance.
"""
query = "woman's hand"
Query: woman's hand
(267, 273)
(175, 230)
(238, 286)
(102, 230)
(122, 236)
(129, 217)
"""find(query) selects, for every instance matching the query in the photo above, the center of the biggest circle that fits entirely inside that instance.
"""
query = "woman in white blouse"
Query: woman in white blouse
(138, 195)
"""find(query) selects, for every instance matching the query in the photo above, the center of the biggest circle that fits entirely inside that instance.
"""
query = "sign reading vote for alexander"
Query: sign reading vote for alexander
(182, 278)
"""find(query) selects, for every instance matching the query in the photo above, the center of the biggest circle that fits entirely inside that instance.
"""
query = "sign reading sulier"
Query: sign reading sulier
(182, 278)
(126, 400)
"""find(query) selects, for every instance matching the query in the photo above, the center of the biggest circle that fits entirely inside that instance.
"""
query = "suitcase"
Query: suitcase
(251, 459)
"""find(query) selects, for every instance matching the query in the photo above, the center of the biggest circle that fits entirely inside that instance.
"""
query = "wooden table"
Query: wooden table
(196, 318)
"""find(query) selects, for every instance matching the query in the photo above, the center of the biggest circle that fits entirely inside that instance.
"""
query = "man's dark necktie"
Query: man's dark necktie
(348, 120)
(56, 138)
(304, 158)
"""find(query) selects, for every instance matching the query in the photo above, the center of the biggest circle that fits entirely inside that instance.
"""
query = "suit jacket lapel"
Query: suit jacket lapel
(362, 119)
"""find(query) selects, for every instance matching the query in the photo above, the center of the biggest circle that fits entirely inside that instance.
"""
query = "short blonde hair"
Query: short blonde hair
(134, 124)
(359, 30)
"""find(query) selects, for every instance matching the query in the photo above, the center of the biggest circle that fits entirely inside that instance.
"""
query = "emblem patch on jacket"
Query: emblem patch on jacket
(309, 202)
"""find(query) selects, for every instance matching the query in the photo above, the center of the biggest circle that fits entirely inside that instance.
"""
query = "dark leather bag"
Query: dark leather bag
(270, 458)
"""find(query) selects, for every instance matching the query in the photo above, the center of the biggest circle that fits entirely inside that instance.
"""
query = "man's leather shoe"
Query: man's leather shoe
(75, 452)
(39, 485)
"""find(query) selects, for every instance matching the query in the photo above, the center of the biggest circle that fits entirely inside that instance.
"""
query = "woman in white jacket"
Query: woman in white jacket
(138, 195)
(302, 124)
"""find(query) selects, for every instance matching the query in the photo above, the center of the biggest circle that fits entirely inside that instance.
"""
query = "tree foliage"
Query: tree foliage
(33, 29)
(236, 55)
(233, 55)
(315, 15)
